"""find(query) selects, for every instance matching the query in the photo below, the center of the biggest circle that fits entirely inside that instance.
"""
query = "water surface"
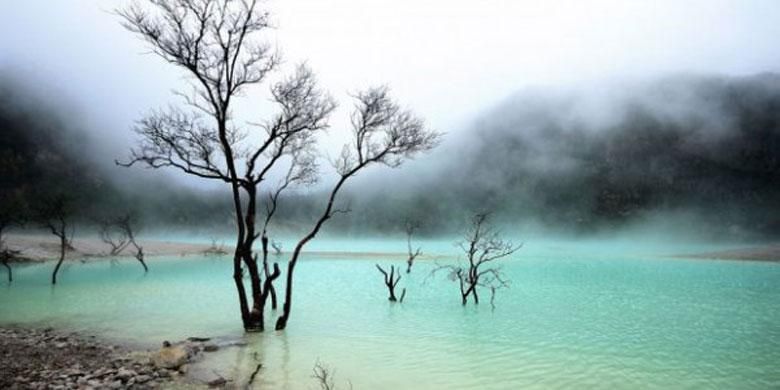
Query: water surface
(576, 316)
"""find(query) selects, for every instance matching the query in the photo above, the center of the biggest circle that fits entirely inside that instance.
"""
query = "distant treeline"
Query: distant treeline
(706, 147)
(45, 153)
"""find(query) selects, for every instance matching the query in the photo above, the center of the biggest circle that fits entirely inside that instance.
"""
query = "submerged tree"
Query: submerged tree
(7, 255)
(411, 254)
(11, 214)
(326, 377)
(112, 236)
(119, 233)
(218, 43)
(383, 133)
(483, 246)
(302, 171)
(391, 280)
(54, 216)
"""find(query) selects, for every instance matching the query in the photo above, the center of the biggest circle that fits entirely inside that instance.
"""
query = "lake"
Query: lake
(577, 315)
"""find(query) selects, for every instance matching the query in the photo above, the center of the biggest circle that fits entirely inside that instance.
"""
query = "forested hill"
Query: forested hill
(45, 152)
(703, 149)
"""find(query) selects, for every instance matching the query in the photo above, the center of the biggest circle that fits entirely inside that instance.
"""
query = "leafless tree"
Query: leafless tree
(7, 255)
(215, 249)
(119, 233)
(11, 214)
(411, 254)
(112, 236)
(302, 171)
(483, 246)
(391, 280)
(325, 377)
(383, 134)
(127, 224)
(219, 44)
(54, 216)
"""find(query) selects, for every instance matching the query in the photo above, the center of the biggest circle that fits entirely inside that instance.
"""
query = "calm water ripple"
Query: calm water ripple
(566, 322)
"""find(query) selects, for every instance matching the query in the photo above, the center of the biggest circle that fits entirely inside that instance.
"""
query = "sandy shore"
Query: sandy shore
(763, 253)
(46, 247)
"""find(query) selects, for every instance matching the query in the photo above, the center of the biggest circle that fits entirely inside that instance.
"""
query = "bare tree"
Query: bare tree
(301, 171)
(325, 377)
(7, 255)
(219, 44)
(391, 280)
(383, 134)
(112, 236)
(127, 224)
(11, 214)
(483, 246)
(411, 254)
(54, 216)
(119, 233)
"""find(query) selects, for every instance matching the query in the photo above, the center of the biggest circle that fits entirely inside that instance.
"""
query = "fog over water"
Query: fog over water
(627, 154)
(560, 117)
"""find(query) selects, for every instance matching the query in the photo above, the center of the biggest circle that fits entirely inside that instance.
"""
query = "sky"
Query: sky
(448, 60)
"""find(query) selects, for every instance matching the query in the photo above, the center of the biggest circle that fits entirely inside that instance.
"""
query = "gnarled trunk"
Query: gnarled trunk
(10, 273)
(63, 245)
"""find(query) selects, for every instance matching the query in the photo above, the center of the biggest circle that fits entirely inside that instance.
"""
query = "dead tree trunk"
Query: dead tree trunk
(64, 244)
(219, 44)
(139, 255)
(391, 280)
(482, 246)
(383, 134)
(411, 254)
(8, 267)
(5, 254)
(54, 215)
(266, 272)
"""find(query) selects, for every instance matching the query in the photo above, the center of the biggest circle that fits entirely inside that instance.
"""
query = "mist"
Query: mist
(645, 123)
(683, 155)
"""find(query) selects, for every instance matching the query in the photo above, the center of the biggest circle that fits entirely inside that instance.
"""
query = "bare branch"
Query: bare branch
(411, 226)
(482, 244)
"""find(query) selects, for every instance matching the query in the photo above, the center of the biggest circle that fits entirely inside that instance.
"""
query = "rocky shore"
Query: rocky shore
(48, 359)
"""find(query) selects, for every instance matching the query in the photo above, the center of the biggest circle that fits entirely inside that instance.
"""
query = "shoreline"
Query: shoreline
(35, 358)
(37, 248)
(765, 254)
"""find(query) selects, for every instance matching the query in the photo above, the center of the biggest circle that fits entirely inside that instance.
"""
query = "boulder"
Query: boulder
(170, 357)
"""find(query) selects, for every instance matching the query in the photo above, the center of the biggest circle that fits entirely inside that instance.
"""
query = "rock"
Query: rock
(210, 348)
(184, 368)
(198, 339)
(142, 378)
(125, 374)
(170, 357)
(217, 382)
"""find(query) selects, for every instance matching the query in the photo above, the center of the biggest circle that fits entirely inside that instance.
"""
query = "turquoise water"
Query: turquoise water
(576, 316)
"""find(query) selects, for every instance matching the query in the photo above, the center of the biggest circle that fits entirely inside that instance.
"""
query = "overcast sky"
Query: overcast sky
(447, 59)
